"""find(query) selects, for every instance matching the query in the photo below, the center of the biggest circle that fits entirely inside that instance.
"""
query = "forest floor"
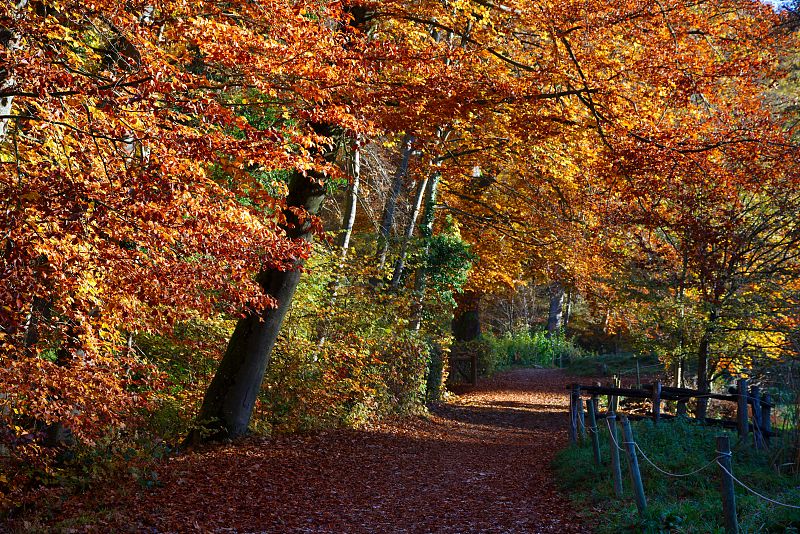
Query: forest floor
(478, 463)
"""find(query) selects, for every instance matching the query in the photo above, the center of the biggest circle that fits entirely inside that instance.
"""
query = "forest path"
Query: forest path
(480, 463)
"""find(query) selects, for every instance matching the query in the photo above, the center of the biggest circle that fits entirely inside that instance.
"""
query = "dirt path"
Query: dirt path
(479, 464)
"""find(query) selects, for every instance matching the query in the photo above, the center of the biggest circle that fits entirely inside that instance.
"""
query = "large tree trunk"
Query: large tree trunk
(466, 317)
(703, 375)
(231, 396)
(556, 315)
(391, 201)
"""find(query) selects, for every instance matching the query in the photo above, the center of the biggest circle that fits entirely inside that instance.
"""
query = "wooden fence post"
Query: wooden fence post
(755, 403)
(638, 377)
(633, 466)
(616, 469)
(593, 431)
(573, 413)
(473, 371)
(656, 401)
(681, 407)
(766, 416)
(581, 420)
(726, 485)
(741, 411)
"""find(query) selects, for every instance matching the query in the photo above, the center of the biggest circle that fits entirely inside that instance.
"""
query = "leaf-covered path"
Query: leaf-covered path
(478, 464)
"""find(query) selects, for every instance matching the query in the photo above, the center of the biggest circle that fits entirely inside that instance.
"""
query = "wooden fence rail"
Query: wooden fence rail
(758, 421)
(759, 403)
(667, 393)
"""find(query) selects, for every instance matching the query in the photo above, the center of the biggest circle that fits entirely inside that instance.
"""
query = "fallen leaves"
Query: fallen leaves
(477, 464)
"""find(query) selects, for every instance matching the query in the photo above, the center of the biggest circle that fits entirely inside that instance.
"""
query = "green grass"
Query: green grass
(623, 364)
(682, 505)
(525, 349)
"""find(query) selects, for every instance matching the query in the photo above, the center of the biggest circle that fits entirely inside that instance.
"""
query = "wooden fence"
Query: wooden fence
(584, 425)
(758, 421)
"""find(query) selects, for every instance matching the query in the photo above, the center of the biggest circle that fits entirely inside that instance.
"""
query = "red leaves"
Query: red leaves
(112, 213)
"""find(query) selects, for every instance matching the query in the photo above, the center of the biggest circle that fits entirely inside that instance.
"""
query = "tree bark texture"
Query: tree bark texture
(231, 396)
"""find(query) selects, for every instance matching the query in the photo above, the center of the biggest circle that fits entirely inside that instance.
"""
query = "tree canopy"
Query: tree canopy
(158, 163)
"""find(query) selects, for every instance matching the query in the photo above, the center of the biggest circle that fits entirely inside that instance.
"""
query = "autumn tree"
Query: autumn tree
(143, 182)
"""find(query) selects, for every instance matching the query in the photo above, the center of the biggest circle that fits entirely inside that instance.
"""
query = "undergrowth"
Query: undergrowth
(526, 349)
(623, 364)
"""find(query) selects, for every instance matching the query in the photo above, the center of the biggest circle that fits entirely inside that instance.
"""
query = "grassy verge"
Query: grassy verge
(678, 504)
(623, 364)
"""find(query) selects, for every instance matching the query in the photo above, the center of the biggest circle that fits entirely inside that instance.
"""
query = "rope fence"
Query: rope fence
(649, 461)
(629, 447)
(754, 492)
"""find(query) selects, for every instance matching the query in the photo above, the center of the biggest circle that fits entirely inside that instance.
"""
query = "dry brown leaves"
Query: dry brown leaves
(478, 464)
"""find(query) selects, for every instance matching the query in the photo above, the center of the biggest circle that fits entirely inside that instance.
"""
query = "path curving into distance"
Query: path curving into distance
(480, 463)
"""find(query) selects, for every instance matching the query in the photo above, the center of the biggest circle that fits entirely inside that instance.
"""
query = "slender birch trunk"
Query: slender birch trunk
(426, 230)
(397, 276)
(556, 315)
(349, 217)
(391, 201)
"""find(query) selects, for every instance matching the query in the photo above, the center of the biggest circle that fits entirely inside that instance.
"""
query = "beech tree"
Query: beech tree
(163, 161)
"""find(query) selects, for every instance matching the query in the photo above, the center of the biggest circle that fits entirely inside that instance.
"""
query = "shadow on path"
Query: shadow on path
(479, 463)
